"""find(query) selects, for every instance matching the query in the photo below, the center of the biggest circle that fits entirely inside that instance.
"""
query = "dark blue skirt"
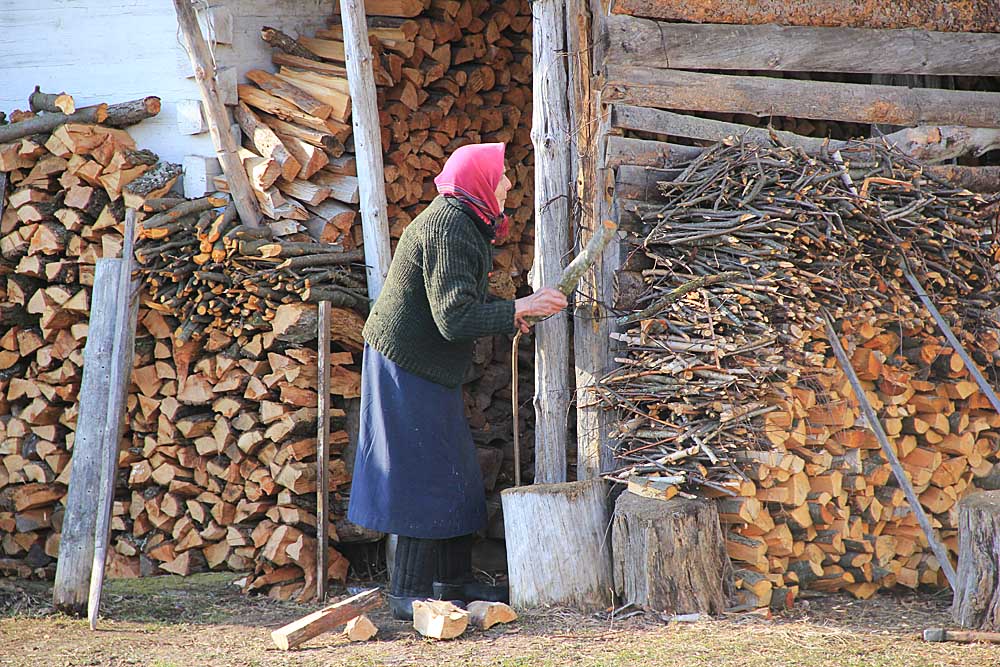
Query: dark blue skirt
(416, 472)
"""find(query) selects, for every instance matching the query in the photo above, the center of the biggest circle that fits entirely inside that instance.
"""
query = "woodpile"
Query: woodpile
(218, 458)
(728, 387)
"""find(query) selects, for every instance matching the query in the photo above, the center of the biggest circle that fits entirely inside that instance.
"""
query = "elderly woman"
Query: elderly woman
(416, 473)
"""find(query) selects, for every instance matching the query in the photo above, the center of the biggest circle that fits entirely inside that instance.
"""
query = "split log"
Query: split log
(670, 556)
(326, 619)
(360, 629)
(438, 619)
(484, 615)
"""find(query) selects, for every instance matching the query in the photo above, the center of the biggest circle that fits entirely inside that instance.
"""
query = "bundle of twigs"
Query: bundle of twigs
(201, 265)
(747, 245)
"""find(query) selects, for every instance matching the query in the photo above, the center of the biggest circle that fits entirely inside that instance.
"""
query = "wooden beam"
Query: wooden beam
(550, 135)
(766, 96)
(635, 41)
(323, 450)
(326, 619)
(123, 347)
(646, 153)
(216, 116)
(76, 546)
(925, 143)
(943, 15)
(367, 143)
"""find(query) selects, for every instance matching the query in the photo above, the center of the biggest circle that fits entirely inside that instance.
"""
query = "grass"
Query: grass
(203, 620)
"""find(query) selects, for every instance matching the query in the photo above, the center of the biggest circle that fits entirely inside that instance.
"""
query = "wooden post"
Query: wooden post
(323, 450)
(550, 135)
(215, 114)
(76, 546)
(367, 142)
(125, 312)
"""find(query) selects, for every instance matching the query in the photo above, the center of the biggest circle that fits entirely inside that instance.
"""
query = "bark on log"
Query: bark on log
(765, 96)
(54, 102)
(50, 121)
(557, 546)
(130, 113)
(634, 41)
(976, 603)
(324, 620)
(280, 40)
(670, 556)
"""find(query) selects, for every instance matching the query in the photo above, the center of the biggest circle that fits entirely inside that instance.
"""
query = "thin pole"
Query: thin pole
(939, 551)
(323, 450)
(984, 385)
(126, 308)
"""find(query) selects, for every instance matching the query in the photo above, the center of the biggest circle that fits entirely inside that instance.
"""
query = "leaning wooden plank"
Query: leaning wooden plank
(635, 41)
(766, 96)
(928, 143)
(943, 15)
(326, 619)
(50, 121)
(123, 348)
(76, 546)
(215, 114)
(940, 552)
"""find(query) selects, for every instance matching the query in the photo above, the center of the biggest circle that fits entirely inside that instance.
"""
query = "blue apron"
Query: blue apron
(416, 472)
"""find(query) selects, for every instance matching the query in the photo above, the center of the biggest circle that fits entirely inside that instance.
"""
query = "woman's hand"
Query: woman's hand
(546, 301)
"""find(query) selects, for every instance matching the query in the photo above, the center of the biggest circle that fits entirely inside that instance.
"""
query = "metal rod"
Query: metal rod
(939, 551)
(323, 450)
(984, 386)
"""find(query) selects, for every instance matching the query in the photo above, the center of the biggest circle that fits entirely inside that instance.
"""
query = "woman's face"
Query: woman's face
(503, 187)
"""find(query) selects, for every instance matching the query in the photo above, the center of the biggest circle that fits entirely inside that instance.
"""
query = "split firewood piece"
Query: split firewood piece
(484, 615)
(360, 629)
(326, 619)
(438, 619)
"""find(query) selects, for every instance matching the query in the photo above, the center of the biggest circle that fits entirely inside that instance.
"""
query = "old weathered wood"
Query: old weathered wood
(670, 556)
(367, 143)
(901, 476)
(557, 545)
(766, 96)
(635, 41)
(550, 131)
(964, 636)
(123, 347)
(76, 546)
(934, 143)
(323, 448)
(976, 602)
(216, 116)
(50, 121)
(298, 632)
(943, 15)
(645, 153)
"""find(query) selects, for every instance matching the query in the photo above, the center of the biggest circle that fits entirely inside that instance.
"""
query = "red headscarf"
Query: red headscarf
(471, 175)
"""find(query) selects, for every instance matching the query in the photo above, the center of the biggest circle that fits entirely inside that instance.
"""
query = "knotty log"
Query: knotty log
(765, 96)
(280, 40)
(125, 114)
(557, 547)
(669, 556)
(942, 15)
(634, 41)
(326, 619)
(976, 601)
(50, 121)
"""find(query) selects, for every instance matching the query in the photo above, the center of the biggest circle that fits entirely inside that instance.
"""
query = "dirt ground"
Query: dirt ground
(204, 620)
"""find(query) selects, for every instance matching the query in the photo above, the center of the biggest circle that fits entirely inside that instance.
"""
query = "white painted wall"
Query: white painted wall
(118, 50)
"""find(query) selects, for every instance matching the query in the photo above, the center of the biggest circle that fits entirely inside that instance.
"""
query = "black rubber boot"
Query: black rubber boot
(413, 574)
(454, 575)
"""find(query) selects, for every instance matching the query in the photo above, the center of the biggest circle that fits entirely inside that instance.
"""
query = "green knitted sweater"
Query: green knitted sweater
(434, 300)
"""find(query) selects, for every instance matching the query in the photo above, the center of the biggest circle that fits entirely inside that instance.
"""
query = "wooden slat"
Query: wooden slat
(926, 143)
(943, 15)
(635, 41)
(766, 96)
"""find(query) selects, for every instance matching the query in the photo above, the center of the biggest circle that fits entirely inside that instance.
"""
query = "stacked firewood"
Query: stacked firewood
(728, 387)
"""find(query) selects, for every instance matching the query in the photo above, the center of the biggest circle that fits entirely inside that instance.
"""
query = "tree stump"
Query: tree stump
(557, 545)
(977, 596)
(670, 556)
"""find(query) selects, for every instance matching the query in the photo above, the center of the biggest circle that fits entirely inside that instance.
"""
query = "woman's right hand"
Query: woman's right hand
(546, 301)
